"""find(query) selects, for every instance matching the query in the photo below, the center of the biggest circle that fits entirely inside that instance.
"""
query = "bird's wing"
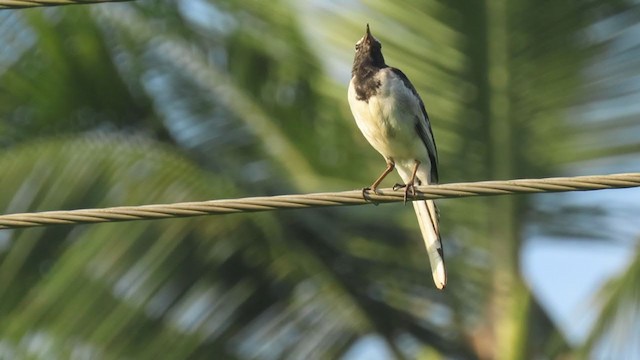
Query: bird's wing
(423, 126)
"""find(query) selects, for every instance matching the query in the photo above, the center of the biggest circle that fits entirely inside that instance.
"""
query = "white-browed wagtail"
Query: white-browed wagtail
(392, 116)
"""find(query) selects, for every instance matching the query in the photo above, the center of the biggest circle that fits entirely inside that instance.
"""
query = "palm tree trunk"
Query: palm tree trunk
(510, 298)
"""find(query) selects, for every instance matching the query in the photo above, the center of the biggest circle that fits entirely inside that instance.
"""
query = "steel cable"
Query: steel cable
(354, 197)
(20, 4)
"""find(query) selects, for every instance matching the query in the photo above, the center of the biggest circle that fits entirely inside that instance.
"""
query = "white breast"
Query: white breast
(388, 120)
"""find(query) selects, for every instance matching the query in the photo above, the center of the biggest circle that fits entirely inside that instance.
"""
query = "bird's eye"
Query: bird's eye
(357, 47)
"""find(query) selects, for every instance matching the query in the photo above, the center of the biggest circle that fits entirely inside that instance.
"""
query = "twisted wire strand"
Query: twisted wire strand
(20, 4)
(354, 197)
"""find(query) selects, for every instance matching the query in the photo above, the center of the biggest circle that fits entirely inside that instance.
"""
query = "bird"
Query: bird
(392, 117)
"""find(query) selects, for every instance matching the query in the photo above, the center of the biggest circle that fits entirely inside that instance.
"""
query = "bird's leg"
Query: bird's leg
(390, 166)
(409, 187)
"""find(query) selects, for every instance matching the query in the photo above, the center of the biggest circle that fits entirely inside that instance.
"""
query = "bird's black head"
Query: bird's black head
(368, 52)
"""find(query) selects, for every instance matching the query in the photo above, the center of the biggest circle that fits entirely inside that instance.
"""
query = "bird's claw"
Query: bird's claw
(364, 194)
(408, 188)
(411, 188)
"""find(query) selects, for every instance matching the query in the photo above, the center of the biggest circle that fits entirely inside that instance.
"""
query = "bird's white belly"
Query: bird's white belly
(389, 126)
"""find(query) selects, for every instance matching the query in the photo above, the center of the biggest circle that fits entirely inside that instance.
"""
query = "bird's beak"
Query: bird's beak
(367, 35)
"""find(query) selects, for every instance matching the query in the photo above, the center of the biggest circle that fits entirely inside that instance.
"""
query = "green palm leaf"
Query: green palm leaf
(239, 92)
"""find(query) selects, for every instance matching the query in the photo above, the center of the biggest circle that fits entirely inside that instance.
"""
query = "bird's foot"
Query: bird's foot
(365, 193)
(409, 190)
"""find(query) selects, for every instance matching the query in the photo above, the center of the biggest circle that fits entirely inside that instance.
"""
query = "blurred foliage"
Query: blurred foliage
(164, 101)
(619, 306)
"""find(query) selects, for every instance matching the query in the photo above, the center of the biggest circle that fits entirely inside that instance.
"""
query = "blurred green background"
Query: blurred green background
(166, 101)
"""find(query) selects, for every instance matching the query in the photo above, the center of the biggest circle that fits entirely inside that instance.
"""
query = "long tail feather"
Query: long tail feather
(428, 219)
